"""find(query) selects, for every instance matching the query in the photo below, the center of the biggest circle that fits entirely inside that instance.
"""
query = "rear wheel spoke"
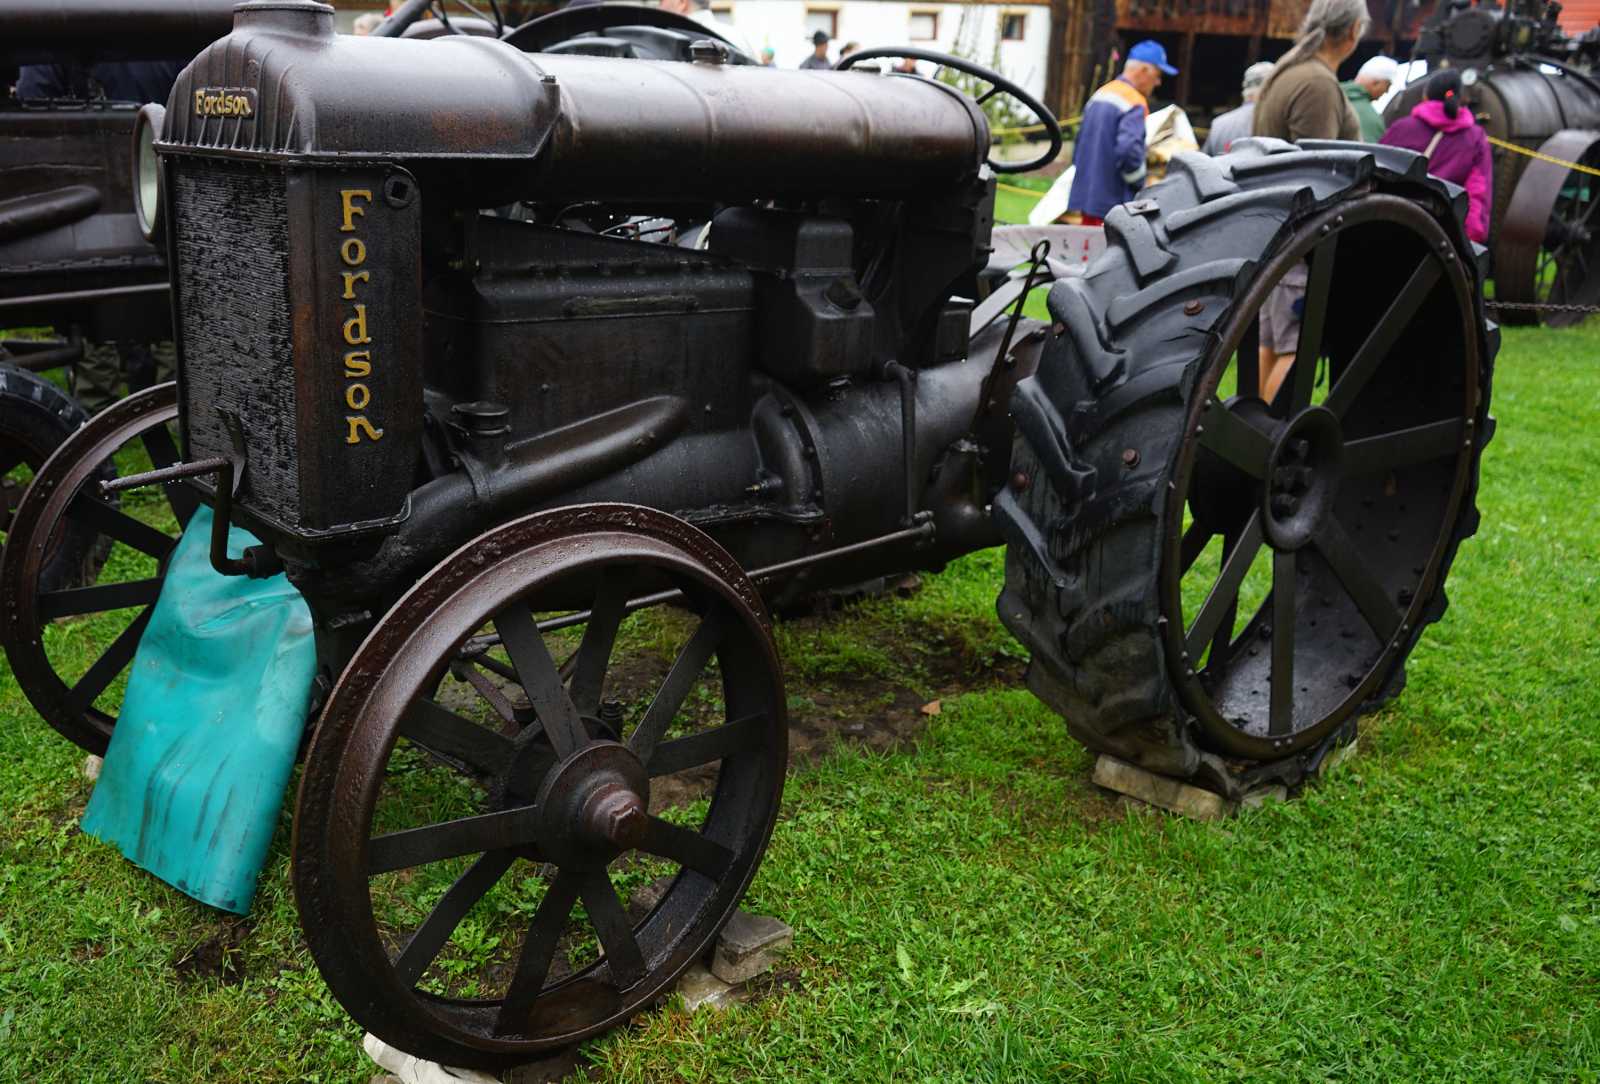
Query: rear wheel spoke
(1235, 439)
(1192, 545)
(108, 666)
(1313, 323)
(1225, 592)
(1337, 548)
(1248, 374)
(164, 453)
(1403, 448)
(122, 527)
(98, 599)
(1402, 310)
(1281, 709)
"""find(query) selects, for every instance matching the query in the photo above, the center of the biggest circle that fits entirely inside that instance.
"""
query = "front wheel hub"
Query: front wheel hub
(592, 806)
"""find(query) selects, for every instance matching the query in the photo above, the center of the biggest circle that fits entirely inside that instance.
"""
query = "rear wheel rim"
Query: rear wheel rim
(1341, 486)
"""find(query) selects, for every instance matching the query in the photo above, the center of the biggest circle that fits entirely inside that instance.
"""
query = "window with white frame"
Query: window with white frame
(823, 19)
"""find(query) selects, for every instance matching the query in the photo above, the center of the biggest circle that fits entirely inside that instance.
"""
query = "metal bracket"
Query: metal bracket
(257, 562)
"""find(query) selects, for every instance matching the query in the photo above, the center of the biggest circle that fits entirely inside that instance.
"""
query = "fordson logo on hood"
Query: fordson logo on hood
(224, 102)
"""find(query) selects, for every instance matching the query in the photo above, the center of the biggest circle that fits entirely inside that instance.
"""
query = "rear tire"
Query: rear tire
(1111, 462)
(36, 418)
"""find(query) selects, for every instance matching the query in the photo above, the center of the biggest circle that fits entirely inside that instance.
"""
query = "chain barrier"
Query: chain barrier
(1540, 306)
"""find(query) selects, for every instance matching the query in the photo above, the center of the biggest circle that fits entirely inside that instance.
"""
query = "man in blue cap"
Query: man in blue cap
(1109, 154)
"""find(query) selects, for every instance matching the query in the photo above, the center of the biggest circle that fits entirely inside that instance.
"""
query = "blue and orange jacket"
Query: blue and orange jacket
(1109, 154)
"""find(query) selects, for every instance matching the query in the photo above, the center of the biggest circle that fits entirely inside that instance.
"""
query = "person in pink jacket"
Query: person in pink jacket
(1456, 148)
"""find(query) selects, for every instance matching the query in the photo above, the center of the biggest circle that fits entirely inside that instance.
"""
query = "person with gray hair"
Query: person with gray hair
(1235, 123)
(1301, 98)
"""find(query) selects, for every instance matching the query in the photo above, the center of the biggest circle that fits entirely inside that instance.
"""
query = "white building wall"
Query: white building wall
(781, 25)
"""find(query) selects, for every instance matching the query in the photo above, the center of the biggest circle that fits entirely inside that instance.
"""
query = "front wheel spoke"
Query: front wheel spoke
(686, 847)
(1390, 326)
(424, 944)
(540, 679)
(451, 839)
(1281, 708)
(98, 599)
(611, 925)
(122, 527)
(1369, 595)
(739, 736)
(1235, 439)
(599, 634)
(538, 950)
(441, 731)
(1403, 448)
(108, 666)
(1225, 592)
(686, 670)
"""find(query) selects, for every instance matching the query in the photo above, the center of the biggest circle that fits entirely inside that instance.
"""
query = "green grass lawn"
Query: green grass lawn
(967, 906)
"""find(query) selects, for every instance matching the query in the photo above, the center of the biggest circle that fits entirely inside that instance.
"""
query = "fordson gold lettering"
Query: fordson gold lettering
(357, 363)
(223, 102)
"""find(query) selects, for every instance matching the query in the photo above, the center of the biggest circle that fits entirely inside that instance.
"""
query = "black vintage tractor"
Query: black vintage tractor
(1535, 90)
(443, 349)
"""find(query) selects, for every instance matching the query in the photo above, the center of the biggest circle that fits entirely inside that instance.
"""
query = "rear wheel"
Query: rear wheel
(1212, 584)
(36, 418)
(70, 644)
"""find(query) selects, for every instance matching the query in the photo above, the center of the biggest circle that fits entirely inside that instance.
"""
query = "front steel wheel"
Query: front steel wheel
(499, 853)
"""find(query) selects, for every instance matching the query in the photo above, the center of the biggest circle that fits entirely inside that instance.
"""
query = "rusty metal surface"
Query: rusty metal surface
(568, 792)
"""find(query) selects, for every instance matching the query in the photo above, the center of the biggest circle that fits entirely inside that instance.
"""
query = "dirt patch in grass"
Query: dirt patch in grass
(218, 956)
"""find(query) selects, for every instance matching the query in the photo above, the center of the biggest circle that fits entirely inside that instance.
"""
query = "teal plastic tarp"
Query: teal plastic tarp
(210, 725)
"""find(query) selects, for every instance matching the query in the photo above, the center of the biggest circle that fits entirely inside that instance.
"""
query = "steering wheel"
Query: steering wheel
(537, 35)
(998, 84)
(412, 10)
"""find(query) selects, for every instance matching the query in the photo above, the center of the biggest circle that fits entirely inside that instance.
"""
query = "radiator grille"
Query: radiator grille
(232, 265)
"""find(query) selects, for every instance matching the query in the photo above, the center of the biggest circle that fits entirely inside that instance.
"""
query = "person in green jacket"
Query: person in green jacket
(1370, 84)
